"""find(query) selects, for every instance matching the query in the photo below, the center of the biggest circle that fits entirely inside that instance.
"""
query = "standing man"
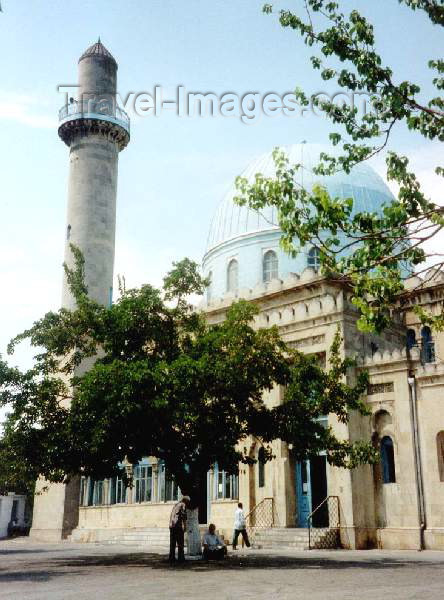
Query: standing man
(178, 520)
(240, 526)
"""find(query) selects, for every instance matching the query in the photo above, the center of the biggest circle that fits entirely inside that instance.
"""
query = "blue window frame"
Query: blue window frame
(270, 266)
(226, 486)
(143, 482)
(117, 491)
(168, 488)
(428, 345)
(388, 460)
(314, 258)
(411, 338)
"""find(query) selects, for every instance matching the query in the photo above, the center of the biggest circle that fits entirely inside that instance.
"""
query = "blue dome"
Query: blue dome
(245, 235)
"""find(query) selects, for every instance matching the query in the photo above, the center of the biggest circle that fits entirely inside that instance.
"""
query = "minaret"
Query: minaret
(96, 130)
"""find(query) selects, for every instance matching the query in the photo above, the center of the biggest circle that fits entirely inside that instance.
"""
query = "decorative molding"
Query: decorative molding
(308, 341)
(78, 128)
(380, 388)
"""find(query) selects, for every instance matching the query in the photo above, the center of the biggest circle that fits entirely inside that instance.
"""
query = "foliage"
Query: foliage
(374, 252)
(149, 377)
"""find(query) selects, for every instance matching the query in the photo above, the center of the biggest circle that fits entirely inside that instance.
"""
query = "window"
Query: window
(98, 497)
(270, 266)
(117, 491)
(440, 449)
(143, 483)
(90, 492)
(428, 346)
(261, 467)
(83, 486)
(314, 258)
(14, 510)
(227, 486)
(210, 286)
(68, 232)
(411, 338)
(232, 276)
(168, 488)
(388, 460)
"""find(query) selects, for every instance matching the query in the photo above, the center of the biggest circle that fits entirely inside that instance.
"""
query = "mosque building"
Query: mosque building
(398, 503)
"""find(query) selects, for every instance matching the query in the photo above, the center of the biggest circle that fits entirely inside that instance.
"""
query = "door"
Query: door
(203, 504)
(318, 482)
(303, 490)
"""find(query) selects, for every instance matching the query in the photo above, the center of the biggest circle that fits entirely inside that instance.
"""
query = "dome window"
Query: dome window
(314, 258)
(232, 276)
(270, 266)
(210, 286)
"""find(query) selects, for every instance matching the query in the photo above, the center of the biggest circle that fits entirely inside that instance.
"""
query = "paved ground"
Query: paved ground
(68, 571)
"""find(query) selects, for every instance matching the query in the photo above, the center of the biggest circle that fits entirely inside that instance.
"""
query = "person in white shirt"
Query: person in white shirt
(213, 547)
(240, 526)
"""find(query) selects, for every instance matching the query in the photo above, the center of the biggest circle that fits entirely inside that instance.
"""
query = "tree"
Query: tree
(164, 383)
(369, 250)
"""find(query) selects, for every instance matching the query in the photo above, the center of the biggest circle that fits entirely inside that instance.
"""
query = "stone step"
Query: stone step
(280, 536)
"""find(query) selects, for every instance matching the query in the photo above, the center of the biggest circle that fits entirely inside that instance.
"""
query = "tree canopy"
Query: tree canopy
(148, 376)
(374, 252)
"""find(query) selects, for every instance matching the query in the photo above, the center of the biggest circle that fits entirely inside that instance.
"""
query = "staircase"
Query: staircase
(286, 538)
(150, 539)
(153, 539)
(281, 537)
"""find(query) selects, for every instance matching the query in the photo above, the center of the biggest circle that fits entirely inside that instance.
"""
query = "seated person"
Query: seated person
(214, 548)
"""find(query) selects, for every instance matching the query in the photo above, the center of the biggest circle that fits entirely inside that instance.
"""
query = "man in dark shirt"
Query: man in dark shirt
(178, 520)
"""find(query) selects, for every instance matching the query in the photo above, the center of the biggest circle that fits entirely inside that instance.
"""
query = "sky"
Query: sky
(176, 169)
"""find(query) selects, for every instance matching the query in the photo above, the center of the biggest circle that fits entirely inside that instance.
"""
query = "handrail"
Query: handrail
(260, 516)
(257, 506)
(333, 523)
(107, 111)
(319, 506)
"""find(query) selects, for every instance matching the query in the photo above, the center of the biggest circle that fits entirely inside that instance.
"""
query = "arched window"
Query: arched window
(411, 338)
(382, 419)
(261, 467)
(210, 286)
(232, 276)
(270, 266)
(388, 460)
(428, 345)
(314, 258)
(440, 449)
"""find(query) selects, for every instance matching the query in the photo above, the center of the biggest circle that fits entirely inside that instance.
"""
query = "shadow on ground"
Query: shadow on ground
(155, 561)
(57, 567)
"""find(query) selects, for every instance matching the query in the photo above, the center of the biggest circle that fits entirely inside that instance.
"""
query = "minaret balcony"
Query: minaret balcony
(94, 110)
(103, 115)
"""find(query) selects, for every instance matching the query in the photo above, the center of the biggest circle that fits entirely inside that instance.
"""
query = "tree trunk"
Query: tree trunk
(193, 532)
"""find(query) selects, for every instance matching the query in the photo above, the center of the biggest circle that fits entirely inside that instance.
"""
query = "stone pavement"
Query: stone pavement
(68, 571)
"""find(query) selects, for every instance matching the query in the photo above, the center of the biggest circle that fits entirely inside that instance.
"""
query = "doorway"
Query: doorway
(203, 502)
(311, 490)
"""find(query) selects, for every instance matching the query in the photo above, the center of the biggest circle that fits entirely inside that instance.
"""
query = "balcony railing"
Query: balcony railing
(90, 109)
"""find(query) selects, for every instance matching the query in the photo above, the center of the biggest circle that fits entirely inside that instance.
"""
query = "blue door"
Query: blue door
(303, 490)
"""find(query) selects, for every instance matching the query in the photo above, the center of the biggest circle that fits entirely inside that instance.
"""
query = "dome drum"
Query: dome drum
(251, 238)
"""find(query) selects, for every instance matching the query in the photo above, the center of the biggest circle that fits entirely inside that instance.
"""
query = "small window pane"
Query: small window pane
(270, 266)
(388, 460)
(232, 276)
(314, 258)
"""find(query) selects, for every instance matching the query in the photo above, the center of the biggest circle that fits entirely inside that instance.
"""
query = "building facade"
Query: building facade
(397, 504)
